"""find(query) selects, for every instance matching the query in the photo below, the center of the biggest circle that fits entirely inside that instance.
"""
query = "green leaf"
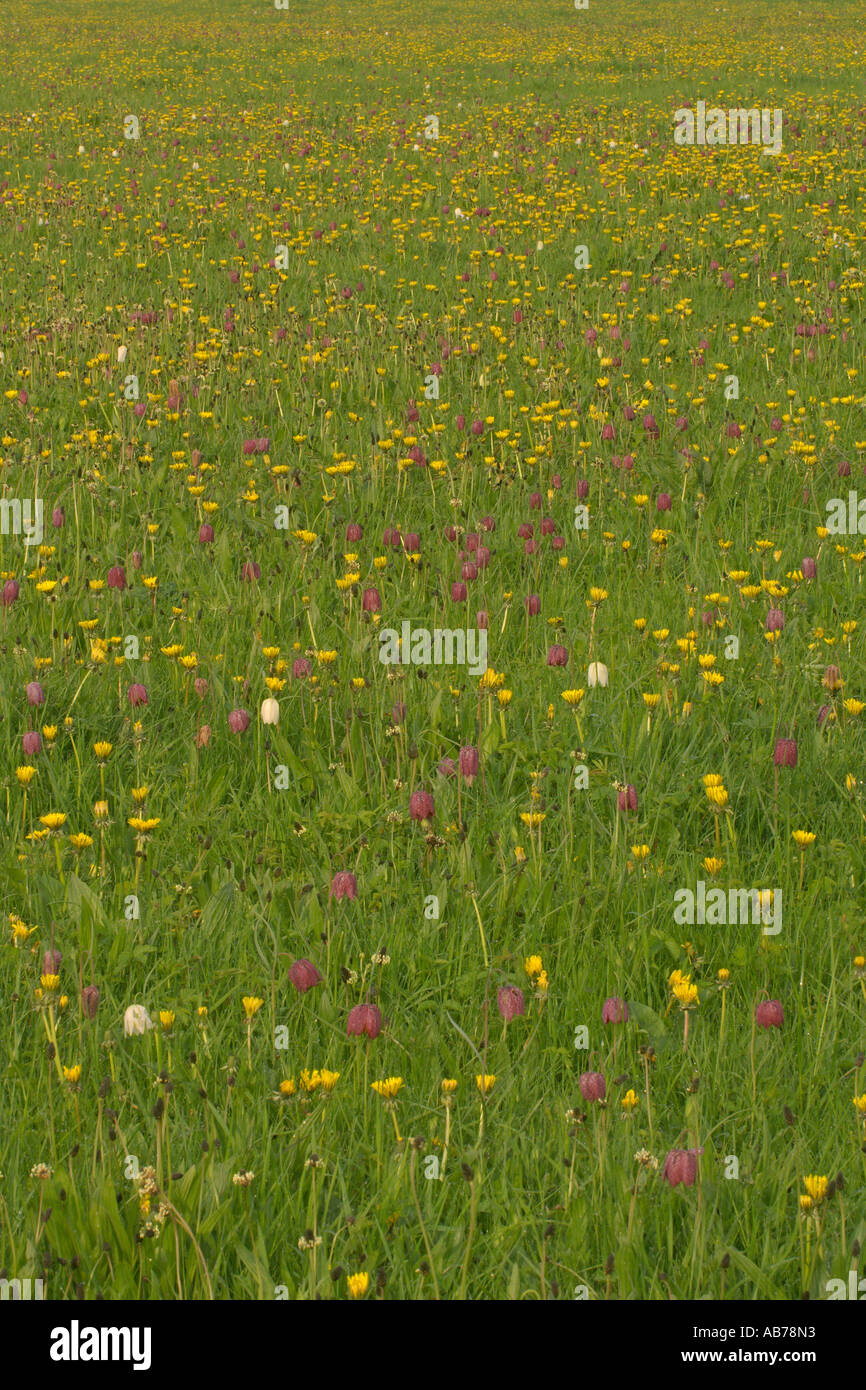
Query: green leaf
(256, 1264)
(762, 1281)
(218, 909)
(83, 903)
(491, 739)
(300, 772)
(435, 715)
(651, 1024)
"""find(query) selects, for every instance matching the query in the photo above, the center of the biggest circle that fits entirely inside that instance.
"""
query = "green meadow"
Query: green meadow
(323, 976)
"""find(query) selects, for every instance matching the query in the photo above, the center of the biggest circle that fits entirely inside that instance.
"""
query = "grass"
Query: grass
(258, 130)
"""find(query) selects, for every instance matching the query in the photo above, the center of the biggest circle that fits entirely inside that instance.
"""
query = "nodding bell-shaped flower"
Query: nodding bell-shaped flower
(421, 806)
(681, 1166)
(597, 674)
(769, 1014)
(785, 752)
(371, 601)
(510, 1002)
(364, 1021)
(592, 1086)
(344, 885)
(468, 763)
(136, 1020)
(304, 975)
(90, 1001)
(239, 721)
(270, 711)
(614, 1010)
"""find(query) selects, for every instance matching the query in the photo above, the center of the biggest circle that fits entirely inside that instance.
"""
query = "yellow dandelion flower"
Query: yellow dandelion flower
(686, 994)
(388, 1088)
(491, 679)
(816, 1187)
